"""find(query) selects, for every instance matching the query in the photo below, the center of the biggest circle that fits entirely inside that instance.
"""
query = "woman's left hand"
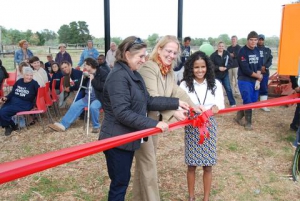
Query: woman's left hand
(215, 109)
(184, 105)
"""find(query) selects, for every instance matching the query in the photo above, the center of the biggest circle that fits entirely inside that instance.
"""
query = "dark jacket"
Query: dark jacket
(97, 83)
(105, 67)
(219, 61)
(126, 101)
(76, 76)
(266, 53)
(3, 74)
(63, 57)
(235, 50)
(56, 76)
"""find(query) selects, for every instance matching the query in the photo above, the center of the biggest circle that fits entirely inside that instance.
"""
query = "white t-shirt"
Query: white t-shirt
(210, 100)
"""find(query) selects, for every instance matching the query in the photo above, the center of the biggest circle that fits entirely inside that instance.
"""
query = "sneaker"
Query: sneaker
(96, 130)
(265, 109)
(57, 127)
(8, 131)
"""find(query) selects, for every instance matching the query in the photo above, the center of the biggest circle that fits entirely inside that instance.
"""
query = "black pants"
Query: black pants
(296, 116)
(118, 164)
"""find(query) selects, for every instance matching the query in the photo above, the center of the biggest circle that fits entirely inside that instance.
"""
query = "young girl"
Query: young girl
(200, 84)
(56, 75)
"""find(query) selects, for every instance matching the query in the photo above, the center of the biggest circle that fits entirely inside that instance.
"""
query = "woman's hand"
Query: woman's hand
(163, 126)
(215, 109)
(3, 100)
(199, 108)
(180, 115)
(184, 105)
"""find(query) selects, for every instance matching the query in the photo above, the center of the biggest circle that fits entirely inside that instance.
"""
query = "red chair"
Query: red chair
(10, 81)
(48, 100)
(55, 98)
(41, 107)
(61, 84)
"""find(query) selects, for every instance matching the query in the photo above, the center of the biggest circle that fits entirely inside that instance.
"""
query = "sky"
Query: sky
(201, 18)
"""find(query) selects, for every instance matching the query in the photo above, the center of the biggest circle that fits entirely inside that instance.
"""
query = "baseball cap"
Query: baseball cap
(261, 36)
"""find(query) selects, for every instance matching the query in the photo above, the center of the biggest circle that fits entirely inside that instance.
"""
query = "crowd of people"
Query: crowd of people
(138, 92)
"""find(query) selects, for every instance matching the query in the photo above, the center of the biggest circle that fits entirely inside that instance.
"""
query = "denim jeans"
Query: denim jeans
(76, 109)
(295, 143)
(226, 83)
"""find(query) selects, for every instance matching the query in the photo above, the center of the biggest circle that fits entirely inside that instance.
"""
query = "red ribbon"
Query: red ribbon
(20, 168)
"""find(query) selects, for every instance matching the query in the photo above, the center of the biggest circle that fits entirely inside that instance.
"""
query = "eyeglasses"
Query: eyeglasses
(136, 41)
(171, 52)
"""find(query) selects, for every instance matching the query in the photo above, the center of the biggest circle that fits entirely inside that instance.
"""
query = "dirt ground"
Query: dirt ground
(252, 165)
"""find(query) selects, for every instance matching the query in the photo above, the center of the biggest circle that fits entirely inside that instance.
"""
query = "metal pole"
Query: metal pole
(179, 21)
(106, 25)
(89, 105)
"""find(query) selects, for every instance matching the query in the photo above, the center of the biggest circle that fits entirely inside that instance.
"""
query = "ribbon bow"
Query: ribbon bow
(202, 122)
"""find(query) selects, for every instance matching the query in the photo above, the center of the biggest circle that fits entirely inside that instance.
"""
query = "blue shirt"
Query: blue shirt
(92, 53)
(249, 61)
(19, 57)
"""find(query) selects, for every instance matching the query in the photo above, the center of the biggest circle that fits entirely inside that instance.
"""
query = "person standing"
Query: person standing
(185, 53)
(266, 54)
(111, 55)
(158, 75)
(126, 102)
(222, 62)
(200, 84)
(88, 52)
(63, 55)
(23, 54)
(249, 77)
(233, 50)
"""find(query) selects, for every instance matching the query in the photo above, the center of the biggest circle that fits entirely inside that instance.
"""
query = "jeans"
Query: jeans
(263, 90)
(248, 92)
(295, 121)
(226, 83)
(118, 165)
(295, 143)
(76, 109)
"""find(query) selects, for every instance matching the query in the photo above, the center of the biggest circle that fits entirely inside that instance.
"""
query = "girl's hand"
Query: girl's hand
(180, 115)
(184, 105)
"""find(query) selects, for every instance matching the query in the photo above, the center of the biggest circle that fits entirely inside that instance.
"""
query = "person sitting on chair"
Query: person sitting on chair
(102, 63)
(21, 98)
(96, 77)
(72, 79)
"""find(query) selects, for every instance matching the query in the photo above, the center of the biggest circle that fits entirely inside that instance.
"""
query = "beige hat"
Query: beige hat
(49, 55)
(62, 44)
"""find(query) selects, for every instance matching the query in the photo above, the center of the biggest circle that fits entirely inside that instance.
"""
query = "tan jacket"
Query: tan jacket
(157, 85)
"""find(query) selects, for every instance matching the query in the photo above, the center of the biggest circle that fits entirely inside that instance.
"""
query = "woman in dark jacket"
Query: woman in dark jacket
(222, 62)
(126, 102)
(56, 75)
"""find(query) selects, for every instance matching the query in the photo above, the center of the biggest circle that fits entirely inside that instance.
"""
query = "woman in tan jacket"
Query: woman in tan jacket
(159, 79)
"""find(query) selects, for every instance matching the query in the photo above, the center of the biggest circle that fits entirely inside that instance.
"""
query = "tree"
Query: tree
(197, 41)
(117, 40)
(41, 38)
(242, 41)
(225, 38)
(34, 39)
(75, 32)
(48, 34)
(152, 39)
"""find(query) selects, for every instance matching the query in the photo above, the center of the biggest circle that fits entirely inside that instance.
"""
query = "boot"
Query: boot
(239, 117)
(262, 98)
(8, 130)
(248, 117)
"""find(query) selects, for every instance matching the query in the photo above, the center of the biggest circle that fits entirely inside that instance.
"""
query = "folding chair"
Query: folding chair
(48, 100)
(10, 81)
(55, 98)
(41, 108)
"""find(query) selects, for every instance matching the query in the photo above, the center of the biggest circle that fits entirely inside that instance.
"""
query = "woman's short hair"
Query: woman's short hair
(131, 44)
(91, 62)
(21, 42)
(161, 44)
(22, 65)
(33, 59)
(27, 70)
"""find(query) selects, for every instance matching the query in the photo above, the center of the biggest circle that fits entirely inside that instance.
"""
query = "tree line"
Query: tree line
(78, 33)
